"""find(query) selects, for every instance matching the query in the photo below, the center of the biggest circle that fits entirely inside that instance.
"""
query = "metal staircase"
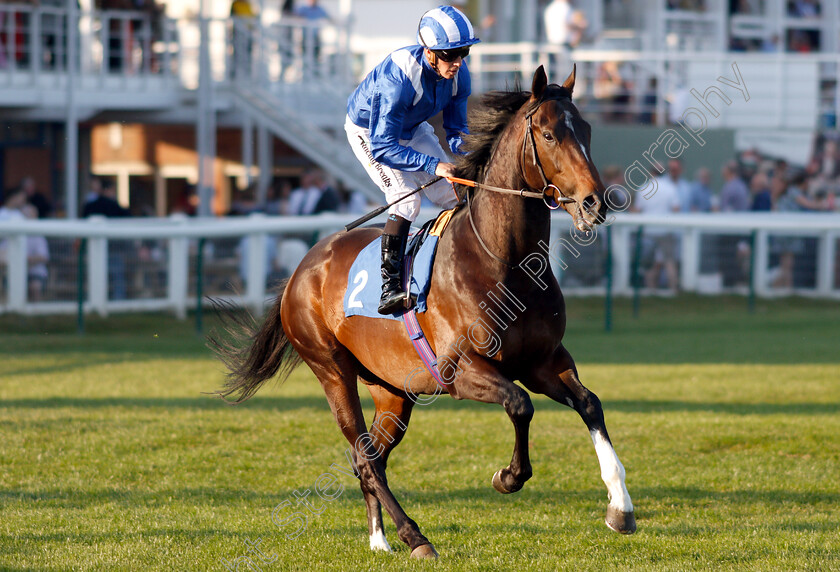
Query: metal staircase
(330, 152)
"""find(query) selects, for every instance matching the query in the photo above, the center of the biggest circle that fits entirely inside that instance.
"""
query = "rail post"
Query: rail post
(634, 274)
(609, 275)
(199, 286)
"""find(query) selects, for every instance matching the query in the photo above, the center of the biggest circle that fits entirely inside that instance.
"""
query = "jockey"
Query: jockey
(388, 129)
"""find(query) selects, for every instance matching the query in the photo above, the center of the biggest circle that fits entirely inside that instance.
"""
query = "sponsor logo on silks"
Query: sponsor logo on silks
(386, 180)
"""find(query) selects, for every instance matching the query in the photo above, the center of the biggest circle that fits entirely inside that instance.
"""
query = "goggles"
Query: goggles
(450, 56)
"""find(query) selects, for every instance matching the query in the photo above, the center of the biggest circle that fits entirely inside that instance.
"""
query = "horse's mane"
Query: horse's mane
(488, 122)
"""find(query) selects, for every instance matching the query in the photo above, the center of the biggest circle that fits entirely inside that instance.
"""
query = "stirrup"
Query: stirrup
(395, 301)
(391, 304)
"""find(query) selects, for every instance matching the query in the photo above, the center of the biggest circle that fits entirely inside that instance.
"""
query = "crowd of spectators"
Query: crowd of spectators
(140, 264)
(26, 202)
(314, 192)
(751, 182)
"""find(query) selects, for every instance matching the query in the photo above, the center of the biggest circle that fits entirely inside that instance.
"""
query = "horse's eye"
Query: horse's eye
(548, 136)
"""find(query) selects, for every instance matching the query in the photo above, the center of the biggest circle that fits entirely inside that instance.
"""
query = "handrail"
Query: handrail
(177, 237)
(804, 224)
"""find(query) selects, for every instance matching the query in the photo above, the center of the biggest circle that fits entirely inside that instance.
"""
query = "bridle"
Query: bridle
(529, 136)
(547, 186)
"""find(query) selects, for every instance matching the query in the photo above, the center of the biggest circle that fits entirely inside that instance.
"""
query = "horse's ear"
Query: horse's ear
(570, 81)
(539, 84)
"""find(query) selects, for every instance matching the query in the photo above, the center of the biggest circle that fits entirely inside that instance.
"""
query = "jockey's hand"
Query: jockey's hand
(445, 169)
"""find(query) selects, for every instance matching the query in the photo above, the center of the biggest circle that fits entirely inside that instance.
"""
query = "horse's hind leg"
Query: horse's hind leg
(336, 369)
(559, 381)
(393, 412)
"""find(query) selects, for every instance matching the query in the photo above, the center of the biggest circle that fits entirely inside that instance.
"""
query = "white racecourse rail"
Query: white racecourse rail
(755, 236)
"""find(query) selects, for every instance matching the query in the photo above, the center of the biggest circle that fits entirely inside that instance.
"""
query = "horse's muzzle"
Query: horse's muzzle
(589, 212)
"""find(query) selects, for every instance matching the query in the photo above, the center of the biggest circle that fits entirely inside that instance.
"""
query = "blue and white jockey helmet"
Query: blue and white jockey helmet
(445, 28)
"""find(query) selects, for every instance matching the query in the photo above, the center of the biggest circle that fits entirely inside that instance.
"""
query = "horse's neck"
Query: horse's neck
(509, 224)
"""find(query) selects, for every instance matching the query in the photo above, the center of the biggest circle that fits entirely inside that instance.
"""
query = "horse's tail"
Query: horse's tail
(253, 354)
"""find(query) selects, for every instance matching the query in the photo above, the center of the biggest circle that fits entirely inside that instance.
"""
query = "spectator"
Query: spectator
(734, 196)
(701, 193)
(787, 199)
(795, 198)
(781, 170)
(556, 18)
(11, 209)
(578, 24)
(244, 202)
(748, 164)
(187, 202)
(37, 256)
(329, 200)
(753, 7)
(105, 203)
(304, 199)
(611, 91)
(619, 198)
(285, 36)
(647, 109)
(679, 100)
(277, 199)
(660, 244)
(564, 29)
(803, 41)
(36, 198)
(771, 44)
(803, 8)
(679, 186)
(353, 202)
(760, 190)
(313, 13)
(824, 170)
(829, 160)
(243, 19)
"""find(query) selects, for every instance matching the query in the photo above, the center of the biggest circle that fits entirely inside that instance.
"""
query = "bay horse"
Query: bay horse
(522, 140)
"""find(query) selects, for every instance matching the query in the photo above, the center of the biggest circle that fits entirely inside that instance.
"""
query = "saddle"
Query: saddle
(361, 297)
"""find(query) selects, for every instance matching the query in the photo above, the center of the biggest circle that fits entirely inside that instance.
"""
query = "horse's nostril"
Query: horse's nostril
(591, 204)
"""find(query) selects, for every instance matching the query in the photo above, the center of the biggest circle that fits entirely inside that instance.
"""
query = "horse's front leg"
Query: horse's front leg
(559, 380)
(480, 381)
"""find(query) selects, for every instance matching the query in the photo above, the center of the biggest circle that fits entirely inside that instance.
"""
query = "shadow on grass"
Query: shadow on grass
(292, 403)
(69, 499)
(122, 536)
(80, 364)
(652, 504)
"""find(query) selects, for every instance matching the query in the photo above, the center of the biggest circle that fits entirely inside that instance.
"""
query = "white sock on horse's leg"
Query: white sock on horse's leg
(377, 539)
(612, 471)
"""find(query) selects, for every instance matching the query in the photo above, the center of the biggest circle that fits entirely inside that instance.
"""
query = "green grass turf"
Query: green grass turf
(727, 423)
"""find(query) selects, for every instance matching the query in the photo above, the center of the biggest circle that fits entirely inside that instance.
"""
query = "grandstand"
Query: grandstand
(161, 100)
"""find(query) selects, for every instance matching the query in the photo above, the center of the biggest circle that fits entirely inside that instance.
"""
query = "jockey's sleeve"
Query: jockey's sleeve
(388, 106)
(455, 114)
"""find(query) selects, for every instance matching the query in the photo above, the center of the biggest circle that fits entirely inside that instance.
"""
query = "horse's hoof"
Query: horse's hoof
(500, 486)
(620, 521)
(424, 551)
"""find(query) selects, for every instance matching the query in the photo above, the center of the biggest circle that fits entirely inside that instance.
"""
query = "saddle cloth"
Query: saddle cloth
(364, 283)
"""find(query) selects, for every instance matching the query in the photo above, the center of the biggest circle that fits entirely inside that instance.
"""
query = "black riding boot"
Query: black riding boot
(393, 252)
